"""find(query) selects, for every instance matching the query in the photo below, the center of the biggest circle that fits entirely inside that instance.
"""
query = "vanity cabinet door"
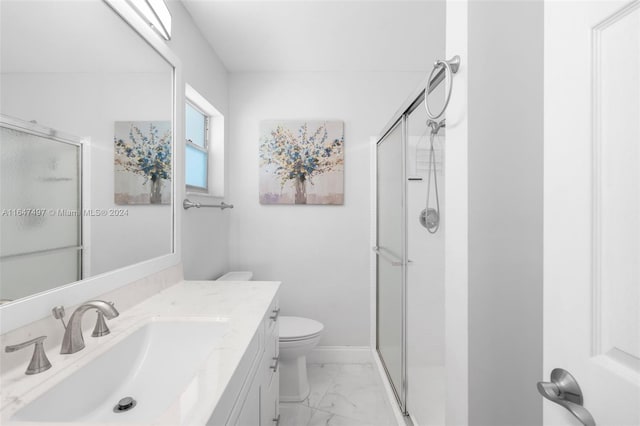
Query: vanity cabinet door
(252, 396)
(270, 401)
(250, 414)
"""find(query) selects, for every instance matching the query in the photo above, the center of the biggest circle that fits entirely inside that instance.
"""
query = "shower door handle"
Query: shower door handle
(564, 390)
(388, 256)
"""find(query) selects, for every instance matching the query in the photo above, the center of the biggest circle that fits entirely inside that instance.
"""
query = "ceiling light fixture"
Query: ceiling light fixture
(156, 14)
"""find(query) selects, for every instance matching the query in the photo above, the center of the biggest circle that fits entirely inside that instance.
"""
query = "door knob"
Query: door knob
(564, 390)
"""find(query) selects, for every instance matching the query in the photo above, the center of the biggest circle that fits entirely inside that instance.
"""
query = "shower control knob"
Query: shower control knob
(430, 219)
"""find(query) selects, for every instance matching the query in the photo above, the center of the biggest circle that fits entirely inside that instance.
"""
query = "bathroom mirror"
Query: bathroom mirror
(86, 146)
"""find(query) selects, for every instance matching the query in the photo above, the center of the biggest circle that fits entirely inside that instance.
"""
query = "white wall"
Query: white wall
(505, 211)
(320, 253)
(456, 243)
(205, 232)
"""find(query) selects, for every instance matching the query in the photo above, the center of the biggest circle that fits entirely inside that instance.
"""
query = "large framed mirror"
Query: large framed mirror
(87, 151)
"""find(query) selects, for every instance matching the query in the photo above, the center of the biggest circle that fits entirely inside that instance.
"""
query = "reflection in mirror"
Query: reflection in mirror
(86, 143)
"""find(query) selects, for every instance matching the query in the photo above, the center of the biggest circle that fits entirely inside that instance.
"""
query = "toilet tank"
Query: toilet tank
(236, 276)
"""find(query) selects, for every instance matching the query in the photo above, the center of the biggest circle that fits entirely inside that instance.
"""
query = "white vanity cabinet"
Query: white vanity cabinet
(251, 398)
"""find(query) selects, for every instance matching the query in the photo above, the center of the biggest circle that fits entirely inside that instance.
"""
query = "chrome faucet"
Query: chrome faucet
(73, 341)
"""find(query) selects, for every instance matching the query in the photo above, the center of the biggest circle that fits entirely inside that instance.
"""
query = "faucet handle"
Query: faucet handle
(101, 328)
(39, 361)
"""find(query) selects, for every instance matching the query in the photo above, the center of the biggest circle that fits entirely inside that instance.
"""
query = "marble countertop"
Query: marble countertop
(242, 305)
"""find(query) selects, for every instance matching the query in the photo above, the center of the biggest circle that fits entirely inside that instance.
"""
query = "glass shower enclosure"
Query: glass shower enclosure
(409, 251)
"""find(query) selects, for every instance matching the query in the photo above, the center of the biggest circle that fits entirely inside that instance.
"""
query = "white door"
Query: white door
(592, 206)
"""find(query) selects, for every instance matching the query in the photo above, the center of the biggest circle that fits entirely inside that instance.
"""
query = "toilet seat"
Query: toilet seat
(296, 328)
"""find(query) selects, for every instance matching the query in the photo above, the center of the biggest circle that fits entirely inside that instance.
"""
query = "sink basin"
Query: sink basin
(153, 365)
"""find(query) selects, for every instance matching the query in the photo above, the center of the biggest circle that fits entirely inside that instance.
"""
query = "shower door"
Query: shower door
(425, 313)
(390, 250)
(40, 196)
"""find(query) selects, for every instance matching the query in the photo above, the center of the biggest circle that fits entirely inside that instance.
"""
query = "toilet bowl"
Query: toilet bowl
(298, 336)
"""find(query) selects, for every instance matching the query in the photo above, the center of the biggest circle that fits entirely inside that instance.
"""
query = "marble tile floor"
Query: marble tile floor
(341, 395)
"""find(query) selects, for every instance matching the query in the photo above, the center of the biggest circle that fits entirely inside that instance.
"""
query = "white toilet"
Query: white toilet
(298, 336)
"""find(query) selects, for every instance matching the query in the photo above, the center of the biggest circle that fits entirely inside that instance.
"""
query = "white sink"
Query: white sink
(153, 365)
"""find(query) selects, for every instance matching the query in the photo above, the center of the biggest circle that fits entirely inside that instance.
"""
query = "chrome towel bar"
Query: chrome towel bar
(388, 256)
(187, 204)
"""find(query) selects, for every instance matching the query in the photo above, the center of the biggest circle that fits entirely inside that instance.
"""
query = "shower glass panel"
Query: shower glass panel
(425, 274)
(40, 227)
(390, 255)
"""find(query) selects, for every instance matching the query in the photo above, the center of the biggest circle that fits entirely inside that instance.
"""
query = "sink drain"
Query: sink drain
(125, 404)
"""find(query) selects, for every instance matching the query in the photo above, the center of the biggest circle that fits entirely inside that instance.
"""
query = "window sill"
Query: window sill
(203, 195)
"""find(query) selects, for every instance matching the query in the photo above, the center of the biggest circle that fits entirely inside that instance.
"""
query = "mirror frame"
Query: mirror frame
(38, 306)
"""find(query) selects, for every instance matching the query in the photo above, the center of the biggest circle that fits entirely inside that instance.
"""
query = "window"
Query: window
(204, 147)
(197, 149)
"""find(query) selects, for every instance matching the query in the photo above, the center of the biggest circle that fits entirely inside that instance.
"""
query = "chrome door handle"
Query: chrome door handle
(564, 390)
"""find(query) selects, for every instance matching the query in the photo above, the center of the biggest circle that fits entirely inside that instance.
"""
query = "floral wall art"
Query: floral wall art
(142, 162)
(302, 162)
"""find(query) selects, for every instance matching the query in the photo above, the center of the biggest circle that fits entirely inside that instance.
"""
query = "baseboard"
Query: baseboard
(341, 354)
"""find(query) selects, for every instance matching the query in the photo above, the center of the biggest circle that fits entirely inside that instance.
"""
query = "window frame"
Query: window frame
(215, 141)
(204, 149)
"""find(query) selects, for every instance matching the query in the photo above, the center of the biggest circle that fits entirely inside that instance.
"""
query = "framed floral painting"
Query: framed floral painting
(142, 162)
(302, 162)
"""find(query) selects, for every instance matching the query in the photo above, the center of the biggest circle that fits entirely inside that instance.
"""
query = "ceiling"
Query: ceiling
(322, 35)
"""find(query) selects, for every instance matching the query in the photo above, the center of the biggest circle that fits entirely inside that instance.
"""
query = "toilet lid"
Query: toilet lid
(297, 328)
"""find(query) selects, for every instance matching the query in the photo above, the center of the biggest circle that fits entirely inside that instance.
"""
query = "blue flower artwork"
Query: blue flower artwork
(142, 162)
(302, 162)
